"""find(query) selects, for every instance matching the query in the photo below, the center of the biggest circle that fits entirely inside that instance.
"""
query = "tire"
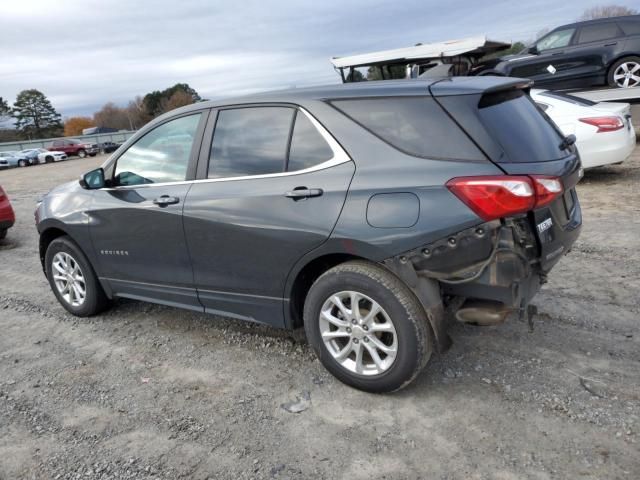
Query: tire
(94, 300)
(22, 163)
(82, 153)
(3, 233)
(48, 159)
(411, 334)
(618, 68)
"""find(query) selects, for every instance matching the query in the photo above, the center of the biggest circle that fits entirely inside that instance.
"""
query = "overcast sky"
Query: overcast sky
(84, 53)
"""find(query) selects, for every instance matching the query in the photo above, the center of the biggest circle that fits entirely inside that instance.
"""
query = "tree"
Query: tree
(5, 110)
(35, 116)
(73, 126)
(156, 102)
(136, 113)
(112, 116)
(605, 11)
(179, 99)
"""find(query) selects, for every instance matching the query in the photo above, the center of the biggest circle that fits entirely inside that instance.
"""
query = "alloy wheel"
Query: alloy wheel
(69, 279)
(627, 75)
(358, 333)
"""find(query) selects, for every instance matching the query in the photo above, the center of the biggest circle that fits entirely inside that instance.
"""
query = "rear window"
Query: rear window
(524, 132)
(415, 125)
(583, 102)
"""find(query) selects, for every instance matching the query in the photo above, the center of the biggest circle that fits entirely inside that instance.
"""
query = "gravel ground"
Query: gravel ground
(145, 391)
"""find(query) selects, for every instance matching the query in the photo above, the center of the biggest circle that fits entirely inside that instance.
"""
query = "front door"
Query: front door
(552, 64)
(276, 184)
(136, 224)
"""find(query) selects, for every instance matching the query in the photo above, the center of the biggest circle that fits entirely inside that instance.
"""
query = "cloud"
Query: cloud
(83, 54)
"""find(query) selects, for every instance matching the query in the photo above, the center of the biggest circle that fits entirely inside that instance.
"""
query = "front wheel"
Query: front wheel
(73, 281)
(48, 159)
(625, 73)
(367, 327)
(22, 163)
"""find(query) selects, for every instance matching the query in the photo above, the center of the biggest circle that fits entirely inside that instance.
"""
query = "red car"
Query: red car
(7, 217)
(72, 146)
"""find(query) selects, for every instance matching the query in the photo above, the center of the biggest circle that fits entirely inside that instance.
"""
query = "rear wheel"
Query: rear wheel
(367, 327)
(82, 153)
(22, 163)
(625, 73)
(3, 233)
(73, 281)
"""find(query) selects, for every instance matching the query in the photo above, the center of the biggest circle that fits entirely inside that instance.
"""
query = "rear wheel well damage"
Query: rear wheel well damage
(306, 277)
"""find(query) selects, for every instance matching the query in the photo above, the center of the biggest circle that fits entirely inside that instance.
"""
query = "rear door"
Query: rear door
(273, 183)
(595, 46)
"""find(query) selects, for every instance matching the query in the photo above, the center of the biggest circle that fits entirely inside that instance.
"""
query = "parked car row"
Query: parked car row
(58, 150)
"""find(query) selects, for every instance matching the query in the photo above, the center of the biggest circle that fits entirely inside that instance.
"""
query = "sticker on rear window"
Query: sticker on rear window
(545, 225)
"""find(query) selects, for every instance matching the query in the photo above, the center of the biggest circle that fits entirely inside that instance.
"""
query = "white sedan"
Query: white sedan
(604, 133)
(44, 156)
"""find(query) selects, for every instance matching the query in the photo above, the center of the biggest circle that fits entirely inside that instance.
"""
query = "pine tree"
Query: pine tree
(35, 116)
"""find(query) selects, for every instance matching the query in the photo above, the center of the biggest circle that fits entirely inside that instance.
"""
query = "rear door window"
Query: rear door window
(598, 32)
(250, 141)
(524, 132)
(415, 125)
(629, 27)
(308, 147)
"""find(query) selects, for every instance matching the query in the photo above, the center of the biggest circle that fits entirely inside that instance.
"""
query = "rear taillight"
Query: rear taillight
(492, 197)
(547, 189)
(604, 124)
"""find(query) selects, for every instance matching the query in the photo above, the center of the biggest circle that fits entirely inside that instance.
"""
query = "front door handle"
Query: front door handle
(299, 193)
(165, 200)
(610, 44)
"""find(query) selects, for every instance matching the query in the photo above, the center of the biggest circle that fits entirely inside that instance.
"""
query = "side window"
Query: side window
(162, 155)
(415, 125)
(630, 27)
(250, 141)
(308, 147)
(558, 39)
(597, 32)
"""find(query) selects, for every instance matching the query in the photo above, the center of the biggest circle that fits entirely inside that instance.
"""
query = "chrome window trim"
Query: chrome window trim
(339, 157)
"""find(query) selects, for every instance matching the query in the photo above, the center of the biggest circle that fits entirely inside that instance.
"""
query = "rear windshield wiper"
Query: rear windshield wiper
(567, 141)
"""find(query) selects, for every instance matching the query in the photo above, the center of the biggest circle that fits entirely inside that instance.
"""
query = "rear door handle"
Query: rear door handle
(165, 200)
(610, 44)
(299, 193)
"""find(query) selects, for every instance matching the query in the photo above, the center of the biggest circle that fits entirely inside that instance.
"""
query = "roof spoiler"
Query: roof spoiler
(477, 85)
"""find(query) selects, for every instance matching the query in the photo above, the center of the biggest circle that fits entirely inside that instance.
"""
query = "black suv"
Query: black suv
(362, 212)
(585, 54)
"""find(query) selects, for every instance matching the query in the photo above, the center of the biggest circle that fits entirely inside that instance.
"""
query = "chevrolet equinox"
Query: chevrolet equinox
(367, 213)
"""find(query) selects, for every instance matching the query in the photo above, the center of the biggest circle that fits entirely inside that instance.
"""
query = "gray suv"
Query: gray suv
(365, 213)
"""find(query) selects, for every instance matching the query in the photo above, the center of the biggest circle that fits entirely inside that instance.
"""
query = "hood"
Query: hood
(68, 187)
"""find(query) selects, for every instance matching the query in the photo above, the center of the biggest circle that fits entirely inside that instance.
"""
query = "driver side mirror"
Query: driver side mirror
(93, 180)
(533, 50)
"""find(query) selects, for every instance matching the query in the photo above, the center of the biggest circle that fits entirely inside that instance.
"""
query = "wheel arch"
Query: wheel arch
(617, 58)
(305, 276)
